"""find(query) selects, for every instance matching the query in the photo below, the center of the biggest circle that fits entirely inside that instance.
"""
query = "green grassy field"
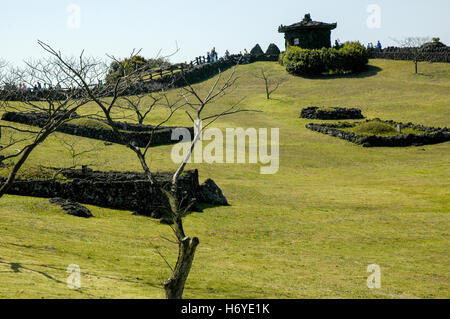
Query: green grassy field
(309, 231)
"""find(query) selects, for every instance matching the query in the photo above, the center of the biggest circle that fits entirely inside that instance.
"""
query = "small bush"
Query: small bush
(304, 61)
(352, 57)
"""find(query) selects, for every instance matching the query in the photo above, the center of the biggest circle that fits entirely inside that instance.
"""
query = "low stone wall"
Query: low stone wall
(117, 190)
(333, 113)
(431, 136)
(409, 54)
(138, 134)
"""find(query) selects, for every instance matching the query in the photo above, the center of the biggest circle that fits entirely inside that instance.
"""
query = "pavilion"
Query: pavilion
(308, 34)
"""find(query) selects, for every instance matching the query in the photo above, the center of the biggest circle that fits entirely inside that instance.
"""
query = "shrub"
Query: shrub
(352, 57)
(304, 61)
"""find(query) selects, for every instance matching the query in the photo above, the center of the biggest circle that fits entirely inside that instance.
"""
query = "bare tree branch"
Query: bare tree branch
(271, 85)
(414, 44)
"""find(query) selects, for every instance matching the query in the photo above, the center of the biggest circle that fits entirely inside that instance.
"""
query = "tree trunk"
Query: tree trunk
(174, 286)
(4, 188)
(12, 176)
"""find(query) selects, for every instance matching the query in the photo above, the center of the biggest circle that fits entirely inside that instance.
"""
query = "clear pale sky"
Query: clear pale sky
(118, 26)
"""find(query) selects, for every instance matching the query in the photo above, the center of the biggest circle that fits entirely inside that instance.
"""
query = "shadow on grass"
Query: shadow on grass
(20, 267)
(370, 71)
(202, 207)
(425, 75)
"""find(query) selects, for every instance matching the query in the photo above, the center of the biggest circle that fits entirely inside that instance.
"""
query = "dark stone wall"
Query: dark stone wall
(137, 134)
(432, 135)
(117, 190)
(337, 113)
(408, 54)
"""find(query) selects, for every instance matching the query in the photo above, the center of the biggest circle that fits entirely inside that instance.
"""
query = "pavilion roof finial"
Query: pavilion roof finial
(307, 18)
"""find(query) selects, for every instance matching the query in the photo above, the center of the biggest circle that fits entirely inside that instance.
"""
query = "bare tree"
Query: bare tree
(197, 112)
(142, 104)
(75, 152)
(3, 65)
(271, 84)
(59, 102)
(414, 44)
(196, 105)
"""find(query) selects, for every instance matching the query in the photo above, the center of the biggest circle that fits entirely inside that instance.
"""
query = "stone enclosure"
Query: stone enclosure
(430, 135)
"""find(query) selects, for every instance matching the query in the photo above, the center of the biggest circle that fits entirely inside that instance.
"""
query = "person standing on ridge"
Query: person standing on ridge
(379, 47)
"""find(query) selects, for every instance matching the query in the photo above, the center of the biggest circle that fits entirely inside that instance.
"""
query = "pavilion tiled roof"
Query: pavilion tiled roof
(307, 23)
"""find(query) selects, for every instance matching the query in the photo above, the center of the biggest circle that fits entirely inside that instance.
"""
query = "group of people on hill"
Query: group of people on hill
(37, 86)
(212, 56)
(245, 52)
(378, 46)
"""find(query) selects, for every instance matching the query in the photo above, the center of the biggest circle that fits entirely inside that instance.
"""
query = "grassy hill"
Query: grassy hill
(309, 231)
